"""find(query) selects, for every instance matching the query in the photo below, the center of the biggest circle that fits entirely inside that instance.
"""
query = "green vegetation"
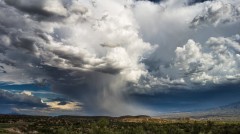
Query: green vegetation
(107, 125)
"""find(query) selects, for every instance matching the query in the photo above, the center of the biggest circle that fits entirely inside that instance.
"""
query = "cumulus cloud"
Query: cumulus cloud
(26, 102)
(217, 12)
(217, 61)
(43, 7)
(20, 100)
(63, 106)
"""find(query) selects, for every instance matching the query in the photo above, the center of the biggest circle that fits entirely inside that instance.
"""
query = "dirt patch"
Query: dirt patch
(14, 131)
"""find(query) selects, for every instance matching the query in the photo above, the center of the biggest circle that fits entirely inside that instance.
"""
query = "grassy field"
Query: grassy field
(4, 127)
(112, 125)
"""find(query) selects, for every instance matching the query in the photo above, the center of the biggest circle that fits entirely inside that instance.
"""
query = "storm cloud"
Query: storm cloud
(99, 53)
(21, 100)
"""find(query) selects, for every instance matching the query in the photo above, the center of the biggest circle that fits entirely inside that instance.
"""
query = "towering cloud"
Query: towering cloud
(87, 47)
(217, 61)
(99, 52)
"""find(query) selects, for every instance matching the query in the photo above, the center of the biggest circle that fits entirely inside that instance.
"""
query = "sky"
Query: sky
(118, 57)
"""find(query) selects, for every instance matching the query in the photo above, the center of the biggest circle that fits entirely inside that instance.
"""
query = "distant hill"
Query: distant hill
(232, 109)
(226, 112)
(233, 106)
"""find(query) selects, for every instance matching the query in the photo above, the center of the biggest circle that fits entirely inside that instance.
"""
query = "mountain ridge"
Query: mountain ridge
(226, 112)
